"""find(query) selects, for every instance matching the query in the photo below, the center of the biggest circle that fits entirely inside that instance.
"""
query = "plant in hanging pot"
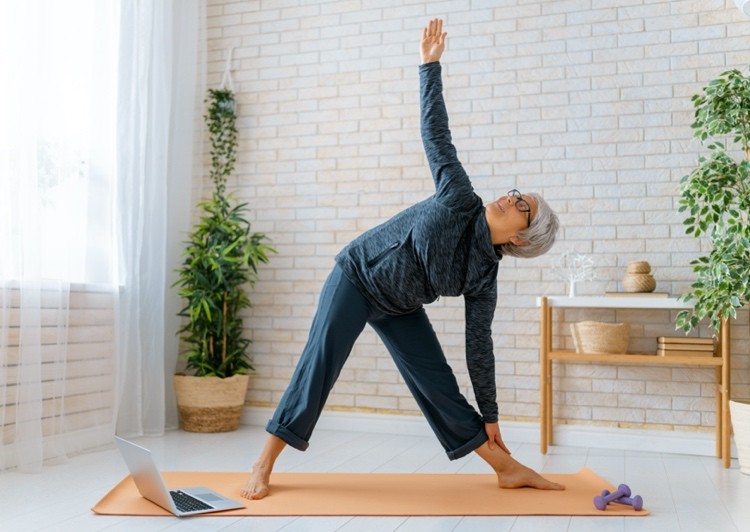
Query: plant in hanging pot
(716, 198)
(220, 262)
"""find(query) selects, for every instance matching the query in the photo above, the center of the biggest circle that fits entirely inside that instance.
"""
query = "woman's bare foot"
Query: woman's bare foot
(257, 485)
(525, 477)
(260, 477)
(513, 474)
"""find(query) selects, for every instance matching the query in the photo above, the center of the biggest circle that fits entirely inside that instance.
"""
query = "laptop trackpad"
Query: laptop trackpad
(208, 497)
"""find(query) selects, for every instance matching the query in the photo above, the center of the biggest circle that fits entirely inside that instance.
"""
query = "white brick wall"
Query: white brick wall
(588, 105)
(82, 393)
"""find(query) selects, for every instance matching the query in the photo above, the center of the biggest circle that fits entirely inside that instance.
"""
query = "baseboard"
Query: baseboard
(659, 441)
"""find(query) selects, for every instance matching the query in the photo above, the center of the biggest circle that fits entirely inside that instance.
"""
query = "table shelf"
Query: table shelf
(549, 356)
(639, 359)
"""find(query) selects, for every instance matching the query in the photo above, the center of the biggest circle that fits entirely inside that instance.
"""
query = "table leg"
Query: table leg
(550, 432)
(719, 416)
(543, 390)
(725, 392)
(550, 402)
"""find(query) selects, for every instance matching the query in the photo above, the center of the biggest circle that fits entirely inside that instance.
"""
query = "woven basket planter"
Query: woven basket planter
(210, 404)
(740, 414)
(600, 338)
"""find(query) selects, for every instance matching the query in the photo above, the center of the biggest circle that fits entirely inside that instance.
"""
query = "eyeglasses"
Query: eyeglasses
(521, 204)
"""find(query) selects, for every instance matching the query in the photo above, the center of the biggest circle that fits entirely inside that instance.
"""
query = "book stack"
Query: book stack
(681, 346)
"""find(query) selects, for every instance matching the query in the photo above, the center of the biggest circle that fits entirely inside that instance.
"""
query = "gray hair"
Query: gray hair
(540, 235)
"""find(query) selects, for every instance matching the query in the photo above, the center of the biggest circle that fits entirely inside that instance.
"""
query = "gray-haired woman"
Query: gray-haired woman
(450, 244)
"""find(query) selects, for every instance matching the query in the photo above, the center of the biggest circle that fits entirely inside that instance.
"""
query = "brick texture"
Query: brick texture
(586, 102)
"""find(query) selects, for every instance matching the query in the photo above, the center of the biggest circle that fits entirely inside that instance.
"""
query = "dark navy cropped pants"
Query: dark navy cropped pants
(342, 314)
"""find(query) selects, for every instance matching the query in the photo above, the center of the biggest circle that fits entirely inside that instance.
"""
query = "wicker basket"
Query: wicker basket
(210, 404)
(638, 277)
(600, 338)
(638, 282)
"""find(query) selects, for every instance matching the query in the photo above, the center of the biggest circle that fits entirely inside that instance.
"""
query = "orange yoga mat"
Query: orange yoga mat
(381, 494)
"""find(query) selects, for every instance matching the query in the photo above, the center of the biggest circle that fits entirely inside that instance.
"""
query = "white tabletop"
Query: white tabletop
(648, 302)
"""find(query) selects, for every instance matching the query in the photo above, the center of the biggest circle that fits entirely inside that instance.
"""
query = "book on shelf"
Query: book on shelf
(686, 347)
(636, 294)
(694, 340)
(683, 353)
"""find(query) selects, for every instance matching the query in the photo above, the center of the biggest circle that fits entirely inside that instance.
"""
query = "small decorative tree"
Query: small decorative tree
(221, 259)
(574, 267)
(716, 198)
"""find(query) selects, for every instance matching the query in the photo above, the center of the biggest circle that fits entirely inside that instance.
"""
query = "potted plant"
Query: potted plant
(220, 261)
(716, 198)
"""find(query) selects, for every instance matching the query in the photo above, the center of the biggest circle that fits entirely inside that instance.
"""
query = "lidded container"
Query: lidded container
(638, 277)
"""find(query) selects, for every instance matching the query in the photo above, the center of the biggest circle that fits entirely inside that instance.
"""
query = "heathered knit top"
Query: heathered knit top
(439, 247)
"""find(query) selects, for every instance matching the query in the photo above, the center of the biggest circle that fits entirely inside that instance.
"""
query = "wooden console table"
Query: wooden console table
(548, 355)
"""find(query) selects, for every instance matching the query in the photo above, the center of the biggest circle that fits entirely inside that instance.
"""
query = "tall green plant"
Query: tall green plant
(220, 261)
(716, 199)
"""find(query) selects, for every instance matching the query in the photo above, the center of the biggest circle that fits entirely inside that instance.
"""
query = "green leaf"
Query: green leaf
(717, 197)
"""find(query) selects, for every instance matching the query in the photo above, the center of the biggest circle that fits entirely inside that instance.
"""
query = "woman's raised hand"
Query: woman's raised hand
(433, 41)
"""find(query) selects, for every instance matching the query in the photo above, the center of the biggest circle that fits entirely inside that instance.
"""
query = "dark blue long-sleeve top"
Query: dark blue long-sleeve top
(439, 247)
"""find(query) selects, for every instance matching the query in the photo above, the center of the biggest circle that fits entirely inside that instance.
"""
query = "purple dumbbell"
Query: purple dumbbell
(636, 502)
(601, 501)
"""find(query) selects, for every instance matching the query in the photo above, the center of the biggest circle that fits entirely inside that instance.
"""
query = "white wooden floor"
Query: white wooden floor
(684, 493)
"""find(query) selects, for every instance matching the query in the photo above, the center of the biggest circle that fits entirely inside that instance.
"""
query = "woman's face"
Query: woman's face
(508, 215)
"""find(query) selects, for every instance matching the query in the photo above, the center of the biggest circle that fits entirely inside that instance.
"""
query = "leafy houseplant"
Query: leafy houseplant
(716, 198)
(220, 261)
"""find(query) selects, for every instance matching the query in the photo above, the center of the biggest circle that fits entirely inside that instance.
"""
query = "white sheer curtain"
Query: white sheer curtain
(97, 114)
(57, 97)
(160, 50)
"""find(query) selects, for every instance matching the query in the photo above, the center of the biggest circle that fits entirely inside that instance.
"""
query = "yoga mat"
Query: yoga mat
(381, 494)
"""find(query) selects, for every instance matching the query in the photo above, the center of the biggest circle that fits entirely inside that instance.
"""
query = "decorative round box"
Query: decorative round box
(638, 277)
(638, 266)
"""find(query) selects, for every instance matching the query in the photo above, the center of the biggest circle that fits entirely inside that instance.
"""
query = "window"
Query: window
(58, 99)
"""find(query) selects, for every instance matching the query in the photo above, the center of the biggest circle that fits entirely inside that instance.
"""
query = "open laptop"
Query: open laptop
(182, 501)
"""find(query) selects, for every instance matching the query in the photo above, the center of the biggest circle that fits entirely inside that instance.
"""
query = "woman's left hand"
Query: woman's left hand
(433, 41)
(493, 436)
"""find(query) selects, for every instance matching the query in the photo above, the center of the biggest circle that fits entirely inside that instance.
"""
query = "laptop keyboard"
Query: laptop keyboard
(188, 503)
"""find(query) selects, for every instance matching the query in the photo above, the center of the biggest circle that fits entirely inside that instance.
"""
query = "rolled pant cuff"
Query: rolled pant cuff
(287, 435)
(473, 444)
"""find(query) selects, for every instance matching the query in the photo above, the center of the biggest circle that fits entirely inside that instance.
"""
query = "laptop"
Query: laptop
(182, 501)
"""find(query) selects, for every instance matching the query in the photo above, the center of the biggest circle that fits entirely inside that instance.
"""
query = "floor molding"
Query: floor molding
(665, 441)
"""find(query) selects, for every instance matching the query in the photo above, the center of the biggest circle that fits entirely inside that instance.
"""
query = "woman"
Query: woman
(449, 244)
